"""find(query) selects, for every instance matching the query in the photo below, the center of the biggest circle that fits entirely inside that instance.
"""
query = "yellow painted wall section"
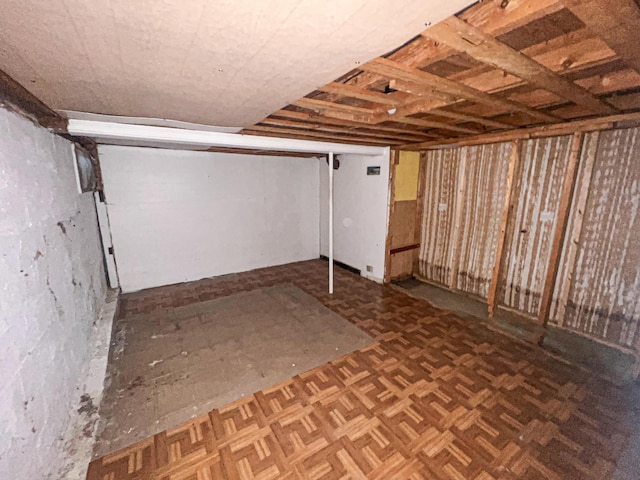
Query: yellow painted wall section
(407, 176)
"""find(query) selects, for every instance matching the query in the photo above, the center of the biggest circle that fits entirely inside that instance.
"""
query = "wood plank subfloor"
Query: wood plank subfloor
(435, 397)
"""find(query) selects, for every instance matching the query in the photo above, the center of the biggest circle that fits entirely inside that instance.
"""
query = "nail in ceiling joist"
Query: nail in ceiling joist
(616, 23)
(143, 133)
(461, 36)
(395, 70)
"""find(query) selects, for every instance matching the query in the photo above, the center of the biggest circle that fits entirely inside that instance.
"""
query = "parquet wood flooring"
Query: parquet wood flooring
(435, 397)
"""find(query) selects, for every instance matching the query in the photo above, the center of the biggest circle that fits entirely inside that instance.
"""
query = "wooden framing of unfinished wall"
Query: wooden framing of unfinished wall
(573, 293)
(403, 235)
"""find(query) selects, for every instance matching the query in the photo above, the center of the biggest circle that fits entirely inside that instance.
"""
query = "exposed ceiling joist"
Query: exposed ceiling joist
(470, 118)
(325, 127)
(361, 94)
(307, 136)
(372, 139)
(277, 123)
(462, 37)
(391, 69)
(497, 17)
(419, 106)
(336, 110)
(616, 23)
(419, 89)
(589, 125)
(497, 66)
(307, 117)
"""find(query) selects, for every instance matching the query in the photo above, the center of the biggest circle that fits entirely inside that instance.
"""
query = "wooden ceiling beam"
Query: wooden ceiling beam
(462, 37)
(566, 128)
(418, 122)
(380, 116)
(561, 49)
(306, 135)
(323, 127)
(424, 91)
(471, 118)
(394, 70)
(345, 136)
(360, 93)
(307, 117)
(499, 16)
(421, 90)
(616, 23)
(337, 110)
(419, 107)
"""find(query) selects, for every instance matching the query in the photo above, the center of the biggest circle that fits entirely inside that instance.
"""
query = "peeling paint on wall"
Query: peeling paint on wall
(52, 291)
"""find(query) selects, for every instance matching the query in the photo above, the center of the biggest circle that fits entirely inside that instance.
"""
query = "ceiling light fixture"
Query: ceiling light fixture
(391, 111)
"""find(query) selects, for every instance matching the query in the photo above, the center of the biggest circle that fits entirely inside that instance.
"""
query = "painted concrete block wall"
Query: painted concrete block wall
(177, 216)
(52, 288)
(361, 212)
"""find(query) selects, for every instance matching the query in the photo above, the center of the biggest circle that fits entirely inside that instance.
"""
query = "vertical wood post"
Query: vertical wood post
(564, 208)
(587, 162)
(496, 274)
(394, 158)
(417, 237)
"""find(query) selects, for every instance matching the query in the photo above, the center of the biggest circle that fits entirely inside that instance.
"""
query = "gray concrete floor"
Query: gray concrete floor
(579, 350)
(165, 368)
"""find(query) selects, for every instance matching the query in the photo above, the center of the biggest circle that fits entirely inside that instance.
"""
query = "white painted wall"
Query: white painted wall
(177, 215)
(361, 206)
(52, 288)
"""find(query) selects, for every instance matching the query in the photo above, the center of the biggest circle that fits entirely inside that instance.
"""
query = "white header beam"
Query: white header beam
(142, 133)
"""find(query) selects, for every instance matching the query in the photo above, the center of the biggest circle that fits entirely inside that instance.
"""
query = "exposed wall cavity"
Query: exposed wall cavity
(463, 202)
(598, 284)
(438, 214)
(52, 292)
(360, 231)
(536, 197)
(483, 191)
(177, 216)
(604, 291)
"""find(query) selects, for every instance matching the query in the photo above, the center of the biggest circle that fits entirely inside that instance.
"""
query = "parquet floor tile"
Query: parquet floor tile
(435, 397)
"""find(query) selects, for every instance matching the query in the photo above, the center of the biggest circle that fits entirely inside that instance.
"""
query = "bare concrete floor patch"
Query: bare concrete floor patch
(165, 368)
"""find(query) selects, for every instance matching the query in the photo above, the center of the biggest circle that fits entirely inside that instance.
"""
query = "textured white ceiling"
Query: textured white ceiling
(227, 63)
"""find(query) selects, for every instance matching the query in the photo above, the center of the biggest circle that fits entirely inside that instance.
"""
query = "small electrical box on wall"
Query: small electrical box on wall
(373, 170)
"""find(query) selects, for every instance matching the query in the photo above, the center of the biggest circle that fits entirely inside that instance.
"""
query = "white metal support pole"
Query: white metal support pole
(330, 223)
